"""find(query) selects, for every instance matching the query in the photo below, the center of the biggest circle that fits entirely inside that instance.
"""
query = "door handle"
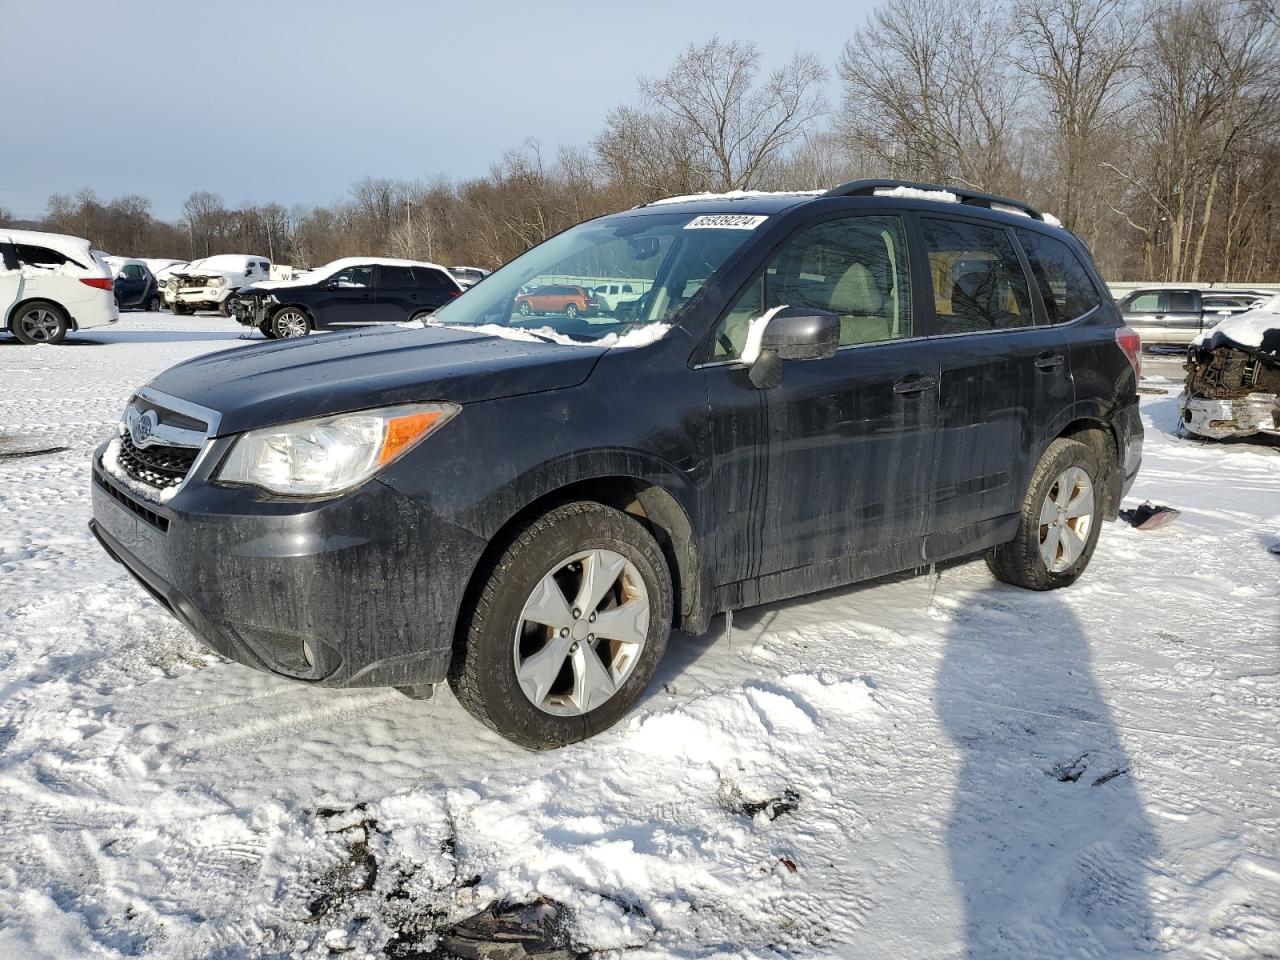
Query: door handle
(1047, 361)
(914, 385)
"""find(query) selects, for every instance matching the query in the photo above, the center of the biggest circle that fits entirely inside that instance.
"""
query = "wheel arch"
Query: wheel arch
(650, 502)
(1099, 435)
(27, 301)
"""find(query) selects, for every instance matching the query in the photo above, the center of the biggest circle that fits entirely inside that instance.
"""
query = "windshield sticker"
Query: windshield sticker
(725, 221)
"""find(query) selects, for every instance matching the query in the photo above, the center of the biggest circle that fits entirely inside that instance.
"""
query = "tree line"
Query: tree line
(1151, 129)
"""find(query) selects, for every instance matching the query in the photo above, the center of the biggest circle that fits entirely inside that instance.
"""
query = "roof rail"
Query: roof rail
(869, 188)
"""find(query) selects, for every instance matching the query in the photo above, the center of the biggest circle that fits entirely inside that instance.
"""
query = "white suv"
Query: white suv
(51, 284)
(208, 284)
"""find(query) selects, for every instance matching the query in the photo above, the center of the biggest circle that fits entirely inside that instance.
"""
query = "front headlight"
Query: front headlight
(218, 282)
(331, 454)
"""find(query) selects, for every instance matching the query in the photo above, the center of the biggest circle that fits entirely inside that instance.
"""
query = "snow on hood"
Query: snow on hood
(1246, 329)
(640, 337)
(218, 263)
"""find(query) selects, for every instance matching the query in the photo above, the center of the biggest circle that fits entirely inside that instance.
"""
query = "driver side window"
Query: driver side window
(854, 267)
(353, 277)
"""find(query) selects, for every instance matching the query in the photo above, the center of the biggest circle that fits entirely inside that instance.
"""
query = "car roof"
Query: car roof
(62, 242)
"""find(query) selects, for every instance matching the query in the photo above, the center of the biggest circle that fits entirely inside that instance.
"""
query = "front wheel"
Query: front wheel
(224, 308)
(179, 310)
(290, 322)
(524, 309)
(267, 329)
(1059, 524)
(40, 322)
(567, 629)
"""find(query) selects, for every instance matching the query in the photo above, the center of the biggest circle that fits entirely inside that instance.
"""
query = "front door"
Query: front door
(843, 474)
(346, 298)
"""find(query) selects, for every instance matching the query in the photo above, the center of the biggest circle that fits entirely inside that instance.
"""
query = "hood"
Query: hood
(204, 272)
(287, 380)
(1254, 329)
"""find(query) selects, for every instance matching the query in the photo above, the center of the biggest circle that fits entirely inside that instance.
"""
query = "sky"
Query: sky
(294, 101)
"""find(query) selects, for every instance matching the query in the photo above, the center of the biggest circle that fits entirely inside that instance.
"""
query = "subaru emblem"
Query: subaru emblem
(141, 428)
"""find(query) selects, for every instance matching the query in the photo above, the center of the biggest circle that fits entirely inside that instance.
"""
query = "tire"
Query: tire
(179, 310)
(267, 330)
(40, 322)
(571, 311)
(1059, 478)
(524, 309)
(153, 304)
(224, 308)
(288, 323)
(421, 315)
(496, 632)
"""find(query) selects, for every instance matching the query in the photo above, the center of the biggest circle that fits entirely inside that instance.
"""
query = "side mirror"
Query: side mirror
(794, 333)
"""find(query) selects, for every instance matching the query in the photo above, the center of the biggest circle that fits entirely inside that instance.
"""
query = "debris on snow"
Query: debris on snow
(1148, 516)
(511, 932)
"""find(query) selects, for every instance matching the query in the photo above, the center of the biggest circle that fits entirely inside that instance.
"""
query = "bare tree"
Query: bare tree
(928, 90)
(741, 128)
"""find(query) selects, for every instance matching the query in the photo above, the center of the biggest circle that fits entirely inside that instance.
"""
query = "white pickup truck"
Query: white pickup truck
(208, 284)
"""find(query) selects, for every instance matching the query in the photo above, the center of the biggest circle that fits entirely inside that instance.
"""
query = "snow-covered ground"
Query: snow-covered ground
(975, 770)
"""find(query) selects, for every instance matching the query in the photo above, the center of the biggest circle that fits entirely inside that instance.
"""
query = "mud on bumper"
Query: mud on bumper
(361, 590)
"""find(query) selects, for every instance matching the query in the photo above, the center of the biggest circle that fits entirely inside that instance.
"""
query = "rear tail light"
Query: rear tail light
(1131, 344)
(102, 283)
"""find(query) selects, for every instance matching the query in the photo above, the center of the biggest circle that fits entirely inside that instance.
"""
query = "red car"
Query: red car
(571, 301)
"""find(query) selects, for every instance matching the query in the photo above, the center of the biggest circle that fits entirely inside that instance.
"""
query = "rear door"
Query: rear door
(844, 474)
(1003, 373)
(397, 294)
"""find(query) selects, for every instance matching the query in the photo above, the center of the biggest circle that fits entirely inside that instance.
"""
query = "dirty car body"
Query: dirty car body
(757, 477)
(1233, 377)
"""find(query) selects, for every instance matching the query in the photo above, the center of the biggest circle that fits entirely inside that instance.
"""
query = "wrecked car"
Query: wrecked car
(812, 391)
(208, 284)
(1233, 377)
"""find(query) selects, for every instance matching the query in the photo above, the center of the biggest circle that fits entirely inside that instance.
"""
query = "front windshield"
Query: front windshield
(603, 277)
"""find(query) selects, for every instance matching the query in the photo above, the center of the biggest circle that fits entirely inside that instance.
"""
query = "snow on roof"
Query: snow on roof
(62, 242)
(915, 193)
(1248, 328)
(231, 262)
(735, 195)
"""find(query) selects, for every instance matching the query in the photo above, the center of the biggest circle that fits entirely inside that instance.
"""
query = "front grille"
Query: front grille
(153, 518)
(159, 466)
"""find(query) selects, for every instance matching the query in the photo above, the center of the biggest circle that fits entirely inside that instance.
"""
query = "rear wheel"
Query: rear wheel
(421, 316)
(40, 322)
(290, 322)
(153, 304)
(571, 310)
(567, 628)
(1059, 524)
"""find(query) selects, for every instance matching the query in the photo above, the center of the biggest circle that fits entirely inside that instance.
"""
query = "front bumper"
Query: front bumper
(1239, 417)
(201, 296)
(358, 590)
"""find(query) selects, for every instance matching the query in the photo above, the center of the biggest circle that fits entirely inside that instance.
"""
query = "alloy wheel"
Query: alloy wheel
(40, 325)
(291, 323)
(581, 632)
(1066, 517)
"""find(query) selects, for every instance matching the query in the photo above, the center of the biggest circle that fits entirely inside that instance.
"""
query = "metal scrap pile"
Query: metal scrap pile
(1233, 377)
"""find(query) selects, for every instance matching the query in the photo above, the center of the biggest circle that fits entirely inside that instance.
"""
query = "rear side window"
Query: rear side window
(1065, 286)
(8, 257)
(396, 277)
(978, 283)
(433, 279)
(1181, 301)
(42, 256)
(1145, 303)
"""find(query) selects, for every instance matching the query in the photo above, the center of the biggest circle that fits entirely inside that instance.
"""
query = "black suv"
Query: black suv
(813, 391)
(355, 291)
